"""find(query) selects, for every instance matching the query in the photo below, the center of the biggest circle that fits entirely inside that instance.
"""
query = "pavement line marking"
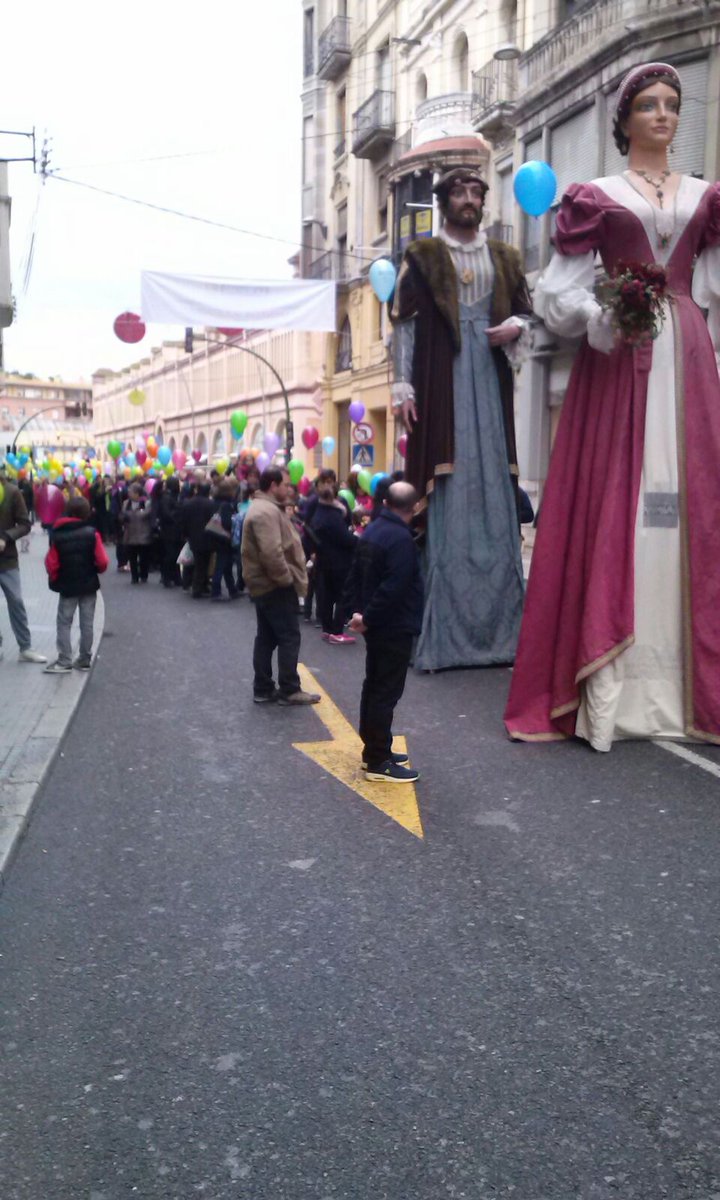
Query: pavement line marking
(340, 757)
(690, 756)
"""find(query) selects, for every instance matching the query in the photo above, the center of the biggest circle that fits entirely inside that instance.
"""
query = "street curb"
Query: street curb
(33, 757)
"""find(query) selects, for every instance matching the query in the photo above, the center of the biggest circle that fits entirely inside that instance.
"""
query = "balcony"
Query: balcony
(374, 125)
(444, 116)
(495, 92)
(334, 50)
(596, 25)
(331, 265)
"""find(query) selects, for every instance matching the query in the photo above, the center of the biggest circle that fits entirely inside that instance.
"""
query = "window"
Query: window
(532, 226)
(308, 150)
(383, 69)
(341, 242)
(343, 354)
(340, 122)
(218, 443)
(574, 150)
(308, 42)
(421, 88)
(382, 204)
(460, 64)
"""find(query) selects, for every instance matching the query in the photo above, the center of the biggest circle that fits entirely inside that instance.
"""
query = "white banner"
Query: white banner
(304, 304)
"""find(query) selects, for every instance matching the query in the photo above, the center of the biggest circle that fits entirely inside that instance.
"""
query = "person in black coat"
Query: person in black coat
(195, 514)
(225, 507)
(169, 517)
(386, 594)
(335, 550)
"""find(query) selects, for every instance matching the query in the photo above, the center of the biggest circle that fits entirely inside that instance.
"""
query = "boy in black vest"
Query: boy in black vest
(73, 562)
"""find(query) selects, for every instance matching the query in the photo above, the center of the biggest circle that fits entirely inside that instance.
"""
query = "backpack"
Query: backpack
(236, 527)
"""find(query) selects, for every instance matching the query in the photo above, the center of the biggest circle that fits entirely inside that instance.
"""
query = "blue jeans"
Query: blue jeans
(10, 584)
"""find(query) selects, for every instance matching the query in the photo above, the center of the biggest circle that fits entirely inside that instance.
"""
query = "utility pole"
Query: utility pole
(6, 304)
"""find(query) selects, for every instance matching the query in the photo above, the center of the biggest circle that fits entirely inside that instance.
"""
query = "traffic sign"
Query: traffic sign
(363, 433)
(363, 456)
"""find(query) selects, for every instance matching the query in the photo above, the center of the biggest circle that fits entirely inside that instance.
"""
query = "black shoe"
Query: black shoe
(390, 772)
(398, 759)
(266, 697)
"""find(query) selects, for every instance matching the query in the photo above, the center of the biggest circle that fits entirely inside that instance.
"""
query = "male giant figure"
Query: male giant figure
(460, 305)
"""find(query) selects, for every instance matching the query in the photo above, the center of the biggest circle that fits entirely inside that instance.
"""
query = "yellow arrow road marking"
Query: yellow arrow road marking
(340, 757)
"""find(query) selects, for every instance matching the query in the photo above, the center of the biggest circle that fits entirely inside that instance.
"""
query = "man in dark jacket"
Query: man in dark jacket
(14, 524)
(195, 514)
(387, 598)
(74, 561)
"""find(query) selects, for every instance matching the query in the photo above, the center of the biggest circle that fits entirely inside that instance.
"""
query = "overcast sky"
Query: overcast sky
(217, 84)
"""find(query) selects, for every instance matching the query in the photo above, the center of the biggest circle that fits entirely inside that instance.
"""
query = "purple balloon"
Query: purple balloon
(356, 411)
(262, 460)
(271, 441)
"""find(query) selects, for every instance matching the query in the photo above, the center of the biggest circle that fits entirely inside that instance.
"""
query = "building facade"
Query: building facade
(186, 399)
(393, 90)
(48, 415)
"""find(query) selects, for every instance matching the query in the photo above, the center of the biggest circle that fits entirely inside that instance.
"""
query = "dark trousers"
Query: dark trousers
(170, 568)
(200, 567)
(386, 664)
(330, 607)
(139, 559)
(278, 628)
(224, 558)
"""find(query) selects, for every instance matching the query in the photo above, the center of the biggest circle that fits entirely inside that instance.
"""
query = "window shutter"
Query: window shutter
(573, 153)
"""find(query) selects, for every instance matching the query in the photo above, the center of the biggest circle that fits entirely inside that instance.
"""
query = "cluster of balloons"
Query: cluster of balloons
(367, 482)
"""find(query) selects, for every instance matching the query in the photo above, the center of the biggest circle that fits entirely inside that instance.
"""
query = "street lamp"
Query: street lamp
(507, 52)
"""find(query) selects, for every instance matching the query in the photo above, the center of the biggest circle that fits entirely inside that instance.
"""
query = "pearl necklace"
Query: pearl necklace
(664, 221)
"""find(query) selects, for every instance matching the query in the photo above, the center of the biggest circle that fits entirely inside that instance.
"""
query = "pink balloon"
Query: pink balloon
(49, 503)
(149, 485)
(197, 455)
(310, 437)
(356, 411)
(402, 444)
(179, 459)
(262, 460)
(141, 456)
(271, 441)
(304, 486)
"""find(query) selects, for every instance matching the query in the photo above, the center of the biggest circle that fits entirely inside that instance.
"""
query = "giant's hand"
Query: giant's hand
(409, 415)
(501, 335)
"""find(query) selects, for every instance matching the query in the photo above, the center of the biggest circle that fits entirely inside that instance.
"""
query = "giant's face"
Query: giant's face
(654, 118)
(464, 205)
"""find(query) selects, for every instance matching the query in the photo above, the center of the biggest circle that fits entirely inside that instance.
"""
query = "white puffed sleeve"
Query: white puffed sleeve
(706, 292)
(564, 297)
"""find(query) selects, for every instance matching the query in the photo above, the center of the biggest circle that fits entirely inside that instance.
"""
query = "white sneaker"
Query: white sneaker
(31, 656)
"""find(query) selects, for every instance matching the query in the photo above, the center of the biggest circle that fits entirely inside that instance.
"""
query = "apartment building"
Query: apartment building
(394, 90)
(46, 414)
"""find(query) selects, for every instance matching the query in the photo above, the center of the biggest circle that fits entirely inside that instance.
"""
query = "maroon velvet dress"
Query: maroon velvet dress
(580, 612)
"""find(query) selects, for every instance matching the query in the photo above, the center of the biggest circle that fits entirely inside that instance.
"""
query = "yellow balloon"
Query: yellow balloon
(222, 465)
(169, 469)
(2, 493)
(137, 397)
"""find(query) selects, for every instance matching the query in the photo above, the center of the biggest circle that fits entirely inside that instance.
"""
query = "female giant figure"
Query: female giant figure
(621, 631)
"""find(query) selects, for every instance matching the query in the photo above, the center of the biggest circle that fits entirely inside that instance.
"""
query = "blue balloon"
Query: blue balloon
(382, 277)
(328, 445)
(375, 481)
(535, 187)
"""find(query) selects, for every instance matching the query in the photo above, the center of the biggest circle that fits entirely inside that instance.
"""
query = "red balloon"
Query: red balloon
(229, 333)
(304, 486)
(402, 444)
(141, 456)
(129, 327)
(197, 455)
(310, 437)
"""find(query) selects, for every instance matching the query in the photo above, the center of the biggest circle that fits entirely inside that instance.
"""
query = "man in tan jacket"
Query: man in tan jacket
(274, 571)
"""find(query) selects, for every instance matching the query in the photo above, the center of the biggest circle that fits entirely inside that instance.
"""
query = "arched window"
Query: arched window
(159, 436)
(343, 353)
(460, 63)
(421, 88)
(218, 445)
(202, 445)
(187, 444)
(256, 440)
(172, 444)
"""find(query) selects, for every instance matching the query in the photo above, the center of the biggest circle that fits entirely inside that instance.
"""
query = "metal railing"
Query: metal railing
(330, 265)
(374, 122)
(495, 85)
(334, 50)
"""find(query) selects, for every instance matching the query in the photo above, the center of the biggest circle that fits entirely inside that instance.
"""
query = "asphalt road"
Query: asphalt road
(226, 975)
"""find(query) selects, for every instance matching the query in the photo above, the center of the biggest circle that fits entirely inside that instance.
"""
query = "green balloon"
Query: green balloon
(348, 498)
(114, 448)
(296, 470)
(238, 422)
(365, 480)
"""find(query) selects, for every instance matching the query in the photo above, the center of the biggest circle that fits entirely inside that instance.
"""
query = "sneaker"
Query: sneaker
(341, 639)
(266, 697)
(31, 656)
(82, 664)
(57, 668)
(398, 759)
(299, 698)
(390, 772)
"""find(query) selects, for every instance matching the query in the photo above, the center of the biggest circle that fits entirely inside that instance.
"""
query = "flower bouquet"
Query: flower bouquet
(634, 296)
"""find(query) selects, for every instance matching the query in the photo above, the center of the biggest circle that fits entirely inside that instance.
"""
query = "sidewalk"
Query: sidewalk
(36, 708)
